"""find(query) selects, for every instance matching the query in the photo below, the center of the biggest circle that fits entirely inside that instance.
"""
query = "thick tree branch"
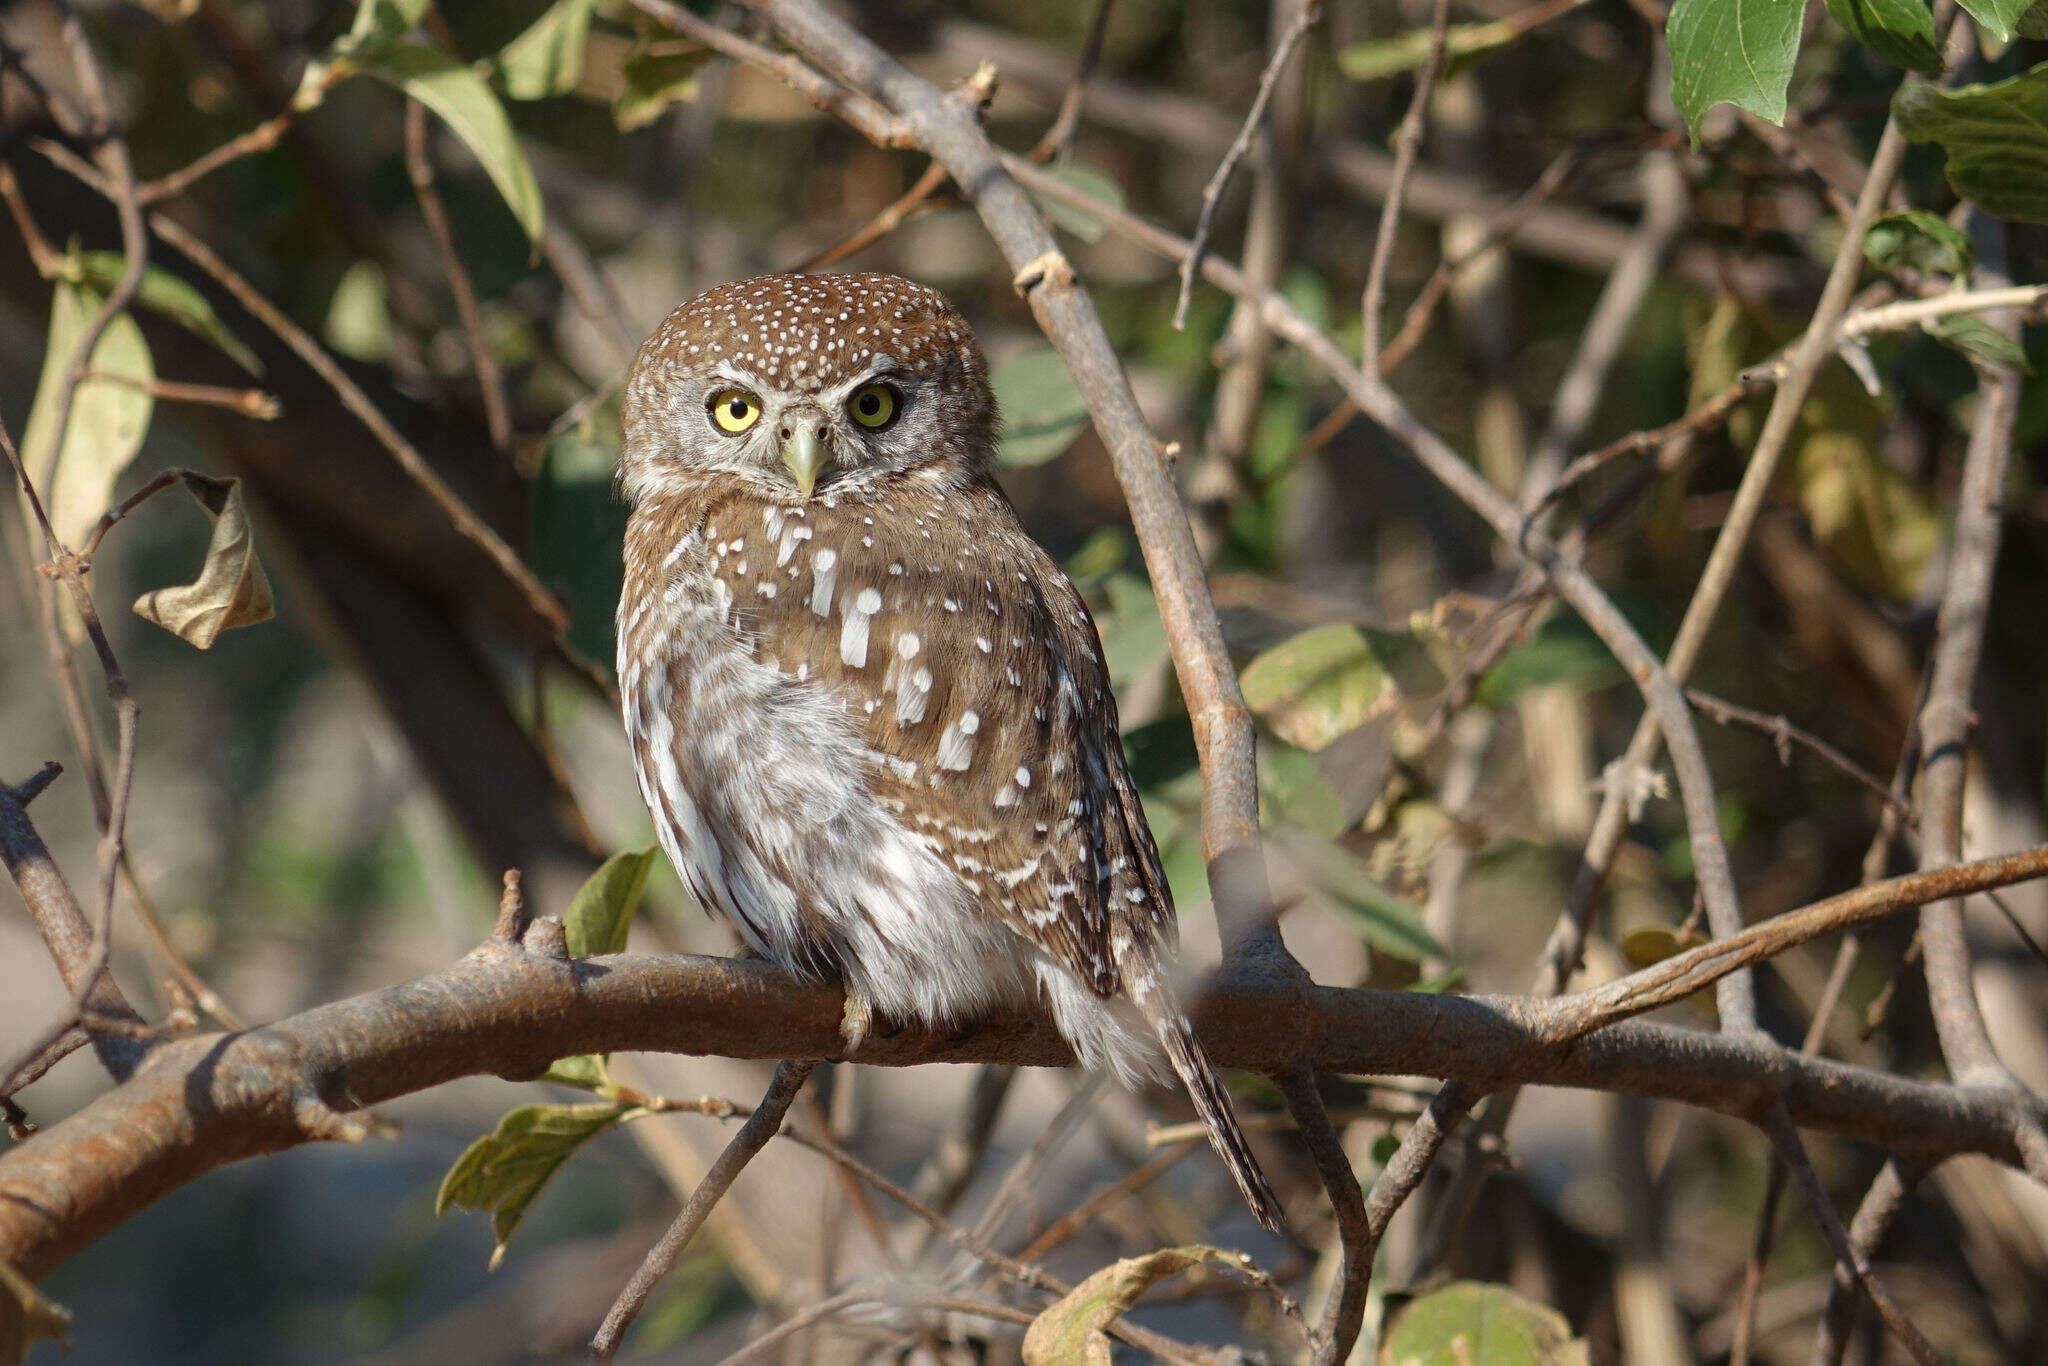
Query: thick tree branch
(202, 1102)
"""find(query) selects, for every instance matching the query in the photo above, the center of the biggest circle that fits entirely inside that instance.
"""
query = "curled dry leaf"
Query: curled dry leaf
(231, 589)
(1072, 1331)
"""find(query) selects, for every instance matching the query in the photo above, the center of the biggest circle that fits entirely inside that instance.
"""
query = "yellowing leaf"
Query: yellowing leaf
(1647, 944)
(1318, 685)
(1072, 1332)
(1875, 524)
(504, 1171)
(1468, 1323)
(602, 912)
(109, 413)
(231, 589)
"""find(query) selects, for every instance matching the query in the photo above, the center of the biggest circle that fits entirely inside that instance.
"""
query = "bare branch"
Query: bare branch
(1407, 144)
(419, 168)
(1283, 52)
(661, 1258)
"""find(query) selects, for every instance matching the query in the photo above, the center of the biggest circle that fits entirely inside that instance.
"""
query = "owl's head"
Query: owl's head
(807, 386)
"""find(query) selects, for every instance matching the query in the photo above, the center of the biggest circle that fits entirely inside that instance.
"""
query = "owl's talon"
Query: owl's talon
(856, 1019)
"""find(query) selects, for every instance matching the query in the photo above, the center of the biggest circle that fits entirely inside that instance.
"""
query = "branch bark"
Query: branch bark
(204, 1101)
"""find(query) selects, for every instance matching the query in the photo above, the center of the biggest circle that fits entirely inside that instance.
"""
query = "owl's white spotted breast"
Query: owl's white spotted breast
(942, 656)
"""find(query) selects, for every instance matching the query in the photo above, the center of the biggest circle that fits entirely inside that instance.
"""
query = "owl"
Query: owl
(869, 714)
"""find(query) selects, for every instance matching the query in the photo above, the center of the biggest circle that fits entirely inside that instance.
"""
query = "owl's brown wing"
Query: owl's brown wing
(974, 670)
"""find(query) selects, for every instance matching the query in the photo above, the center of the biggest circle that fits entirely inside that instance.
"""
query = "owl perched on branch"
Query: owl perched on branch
(869, 714)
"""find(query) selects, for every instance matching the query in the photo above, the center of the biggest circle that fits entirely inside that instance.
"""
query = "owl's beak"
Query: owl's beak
(805, 455)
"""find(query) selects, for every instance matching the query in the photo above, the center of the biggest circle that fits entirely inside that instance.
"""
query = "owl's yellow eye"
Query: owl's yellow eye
(735, 410)
(874, 406)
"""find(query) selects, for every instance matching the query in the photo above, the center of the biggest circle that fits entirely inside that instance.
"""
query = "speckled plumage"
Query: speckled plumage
(873, 724)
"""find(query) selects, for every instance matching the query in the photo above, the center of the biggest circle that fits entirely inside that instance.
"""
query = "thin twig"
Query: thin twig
(538, 598)
(490, 381)
(1874, 1217)
(1117, 1191)
(1672, 980)
(1897, 317)
(1500, 228)
(249, 403)
(1407, 145)
(891, 217)
(1848, 1255)
(661, 1259)
(1057, 140)
(1784, 735)
(1344, 1315)
(1945, 723)
(1566, 575)
(1283, 51)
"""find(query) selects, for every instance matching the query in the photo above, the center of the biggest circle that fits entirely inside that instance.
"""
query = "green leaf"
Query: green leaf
(382, 22)
(1390, 923)
(231, 589)
(589, 1071)
(655, 77)
(1079, 221)
(460, 99)
(1467, 1323)
(109, 413)
(1294, 791)
(1318, 685)
(547, 59)
(1101, 555)
(358, 322)
(504, 1170)
(1073, 1331)
(2001, 17)
(1979, 339)
(1563, 651)
(1996, 137)
(2033, 21)
(1444, 981)
(1041, 407)
(1900, 31)
(1915, 239)
(598, 919)
(1134, 638)
(1732, 51)
(168, 294)
(26, 1317)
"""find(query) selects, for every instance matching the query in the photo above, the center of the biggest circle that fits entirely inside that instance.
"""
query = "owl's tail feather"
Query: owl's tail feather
(1212, 1104)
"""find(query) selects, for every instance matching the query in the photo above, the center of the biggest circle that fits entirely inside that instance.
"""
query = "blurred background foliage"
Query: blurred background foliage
(324, 802)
